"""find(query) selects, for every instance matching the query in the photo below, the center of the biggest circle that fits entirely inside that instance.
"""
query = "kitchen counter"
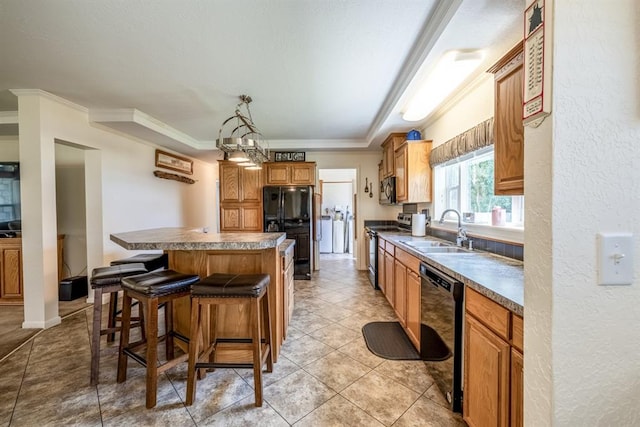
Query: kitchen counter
(192, 251)
(189, 238)
(499, 278)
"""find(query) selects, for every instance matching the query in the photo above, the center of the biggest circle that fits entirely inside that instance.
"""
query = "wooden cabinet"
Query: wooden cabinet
(493, 363)
(388, 148)
(11, 278)
(400, 291)
(381, 271)
(413, 307)
(508, 127)
(240, 198)
(288, 284)
(389, 278)
(486, 376)
(413, 172)
(290, 173)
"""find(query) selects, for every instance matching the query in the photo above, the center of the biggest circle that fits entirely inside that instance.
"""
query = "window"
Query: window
(466, 185)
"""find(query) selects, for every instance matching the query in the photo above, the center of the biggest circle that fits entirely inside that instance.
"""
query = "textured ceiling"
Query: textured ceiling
(322, 73)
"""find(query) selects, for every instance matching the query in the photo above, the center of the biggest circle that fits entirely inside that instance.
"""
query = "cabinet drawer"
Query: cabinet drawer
(488, 312)
(390, 248)
(517, 328)
(408, 260)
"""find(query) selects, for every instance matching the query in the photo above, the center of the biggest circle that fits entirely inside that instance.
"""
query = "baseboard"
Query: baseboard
(42, 325)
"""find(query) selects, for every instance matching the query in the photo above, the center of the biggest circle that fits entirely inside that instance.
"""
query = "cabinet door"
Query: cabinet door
(517, 388)
(229, 183)
(251, 218)
(413, 307)
(388, 159)
(486, 376)
(389, 278)
(251, 186)
(381, 275)
(401, 173)
(277, 174)
(303, 247)
(400, 290)
(11, 269)
(303, 173)
(508, 127)
(231, 218)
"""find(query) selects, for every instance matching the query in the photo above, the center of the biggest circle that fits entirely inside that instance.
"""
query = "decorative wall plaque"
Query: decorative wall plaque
(289, 156)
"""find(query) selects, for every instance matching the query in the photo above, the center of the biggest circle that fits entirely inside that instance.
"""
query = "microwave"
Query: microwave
(388, 191)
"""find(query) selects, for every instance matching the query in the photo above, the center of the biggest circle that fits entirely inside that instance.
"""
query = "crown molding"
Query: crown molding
(50, 96)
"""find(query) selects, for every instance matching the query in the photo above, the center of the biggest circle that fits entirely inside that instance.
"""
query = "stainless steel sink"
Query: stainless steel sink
(434, 247)
(419, 244)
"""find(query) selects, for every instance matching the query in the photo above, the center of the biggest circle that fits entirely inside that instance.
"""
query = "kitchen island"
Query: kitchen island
(195, 251)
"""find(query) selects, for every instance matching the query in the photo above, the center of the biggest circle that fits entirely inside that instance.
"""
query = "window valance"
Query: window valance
(470, 140)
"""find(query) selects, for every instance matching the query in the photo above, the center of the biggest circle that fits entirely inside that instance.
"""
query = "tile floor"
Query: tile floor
(325, 375)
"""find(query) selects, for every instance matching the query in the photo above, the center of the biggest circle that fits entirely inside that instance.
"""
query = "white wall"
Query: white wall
(9, 149)
(122, 193)
(582, 177)
(366, 165)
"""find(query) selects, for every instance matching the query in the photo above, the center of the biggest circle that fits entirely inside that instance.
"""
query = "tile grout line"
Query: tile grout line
(24, 373)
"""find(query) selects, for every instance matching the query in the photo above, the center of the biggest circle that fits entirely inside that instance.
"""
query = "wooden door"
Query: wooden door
(277, 174)
(486, 376)
(11, 270)
(230, 189)
(389, 278)
(251, 186)
(413, 307)
(517, 388)
(401, 173)
(400, 290)
(303, 173)
(230, 218)
(251, 218)
(381, 274)
(508, 127)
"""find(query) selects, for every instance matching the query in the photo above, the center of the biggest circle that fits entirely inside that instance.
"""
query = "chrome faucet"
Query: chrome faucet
(462, 233)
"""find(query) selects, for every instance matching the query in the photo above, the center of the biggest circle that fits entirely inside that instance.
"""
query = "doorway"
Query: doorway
(337, 187)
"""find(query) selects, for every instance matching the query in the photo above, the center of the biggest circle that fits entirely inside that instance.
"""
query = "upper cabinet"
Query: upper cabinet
(508, 127)
(290, 173)
(389, 146)
(412, 172)
(240, 198)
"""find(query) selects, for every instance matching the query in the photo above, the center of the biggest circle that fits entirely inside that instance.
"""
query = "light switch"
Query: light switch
(615, 258)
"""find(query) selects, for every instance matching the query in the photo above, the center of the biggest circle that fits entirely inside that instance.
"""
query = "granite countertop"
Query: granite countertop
(286, 246)
(189, 238)
(499, 278)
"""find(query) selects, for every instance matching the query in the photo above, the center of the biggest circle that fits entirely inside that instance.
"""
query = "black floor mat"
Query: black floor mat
(389, 341)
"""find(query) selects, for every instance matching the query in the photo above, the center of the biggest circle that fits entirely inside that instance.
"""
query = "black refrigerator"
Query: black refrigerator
(288, 209)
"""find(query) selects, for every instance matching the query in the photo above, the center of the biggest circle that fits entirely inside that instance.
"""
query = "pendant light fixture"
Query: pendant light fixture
(244, 143)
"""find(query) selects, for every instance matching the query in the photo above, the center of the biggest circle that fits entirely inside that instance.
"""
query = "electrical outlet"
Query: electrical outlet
(615, 258)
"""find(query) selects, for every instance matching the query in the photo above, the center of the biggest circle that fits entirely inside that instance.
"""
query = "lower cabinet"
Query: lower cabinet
(400, 290)
(413, 307)
(381, 274)
(493, 364)
(288, 286)
(241, 217)
(389, 279)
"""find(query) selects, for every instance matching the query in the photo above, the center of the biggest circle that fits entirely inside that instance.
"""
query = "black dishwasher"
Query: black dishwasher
(442, 299)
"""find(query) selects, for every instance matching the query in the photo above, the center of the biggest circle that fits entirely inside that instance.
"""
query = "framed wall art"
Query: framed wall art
(174, 162)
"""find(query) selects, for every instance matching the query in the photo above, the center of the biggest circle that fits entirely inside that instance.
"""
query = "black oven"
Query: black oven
(442, 299)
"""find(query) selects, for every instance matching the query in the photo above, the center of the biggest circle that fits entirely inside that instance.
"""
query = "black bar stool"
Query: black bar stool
(107, 280)
(151, 290)
(219, 289)
(151, 261)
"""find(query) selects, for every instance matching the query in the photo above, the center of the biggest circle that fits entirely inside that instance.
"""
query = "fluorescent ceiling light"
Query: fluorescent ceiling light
(452, 69)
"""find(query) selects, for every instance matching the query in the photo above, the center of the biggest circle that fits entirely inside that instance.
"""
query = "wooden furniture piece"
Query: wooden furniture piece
(493, 363)
(11, 285)
(107, 280)
(508, 127)
(193, 252)
(240, 198)
(413, 172)
(251, 290)
(152, 290)
(389, 146)
(286, 255)
(290, 173)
